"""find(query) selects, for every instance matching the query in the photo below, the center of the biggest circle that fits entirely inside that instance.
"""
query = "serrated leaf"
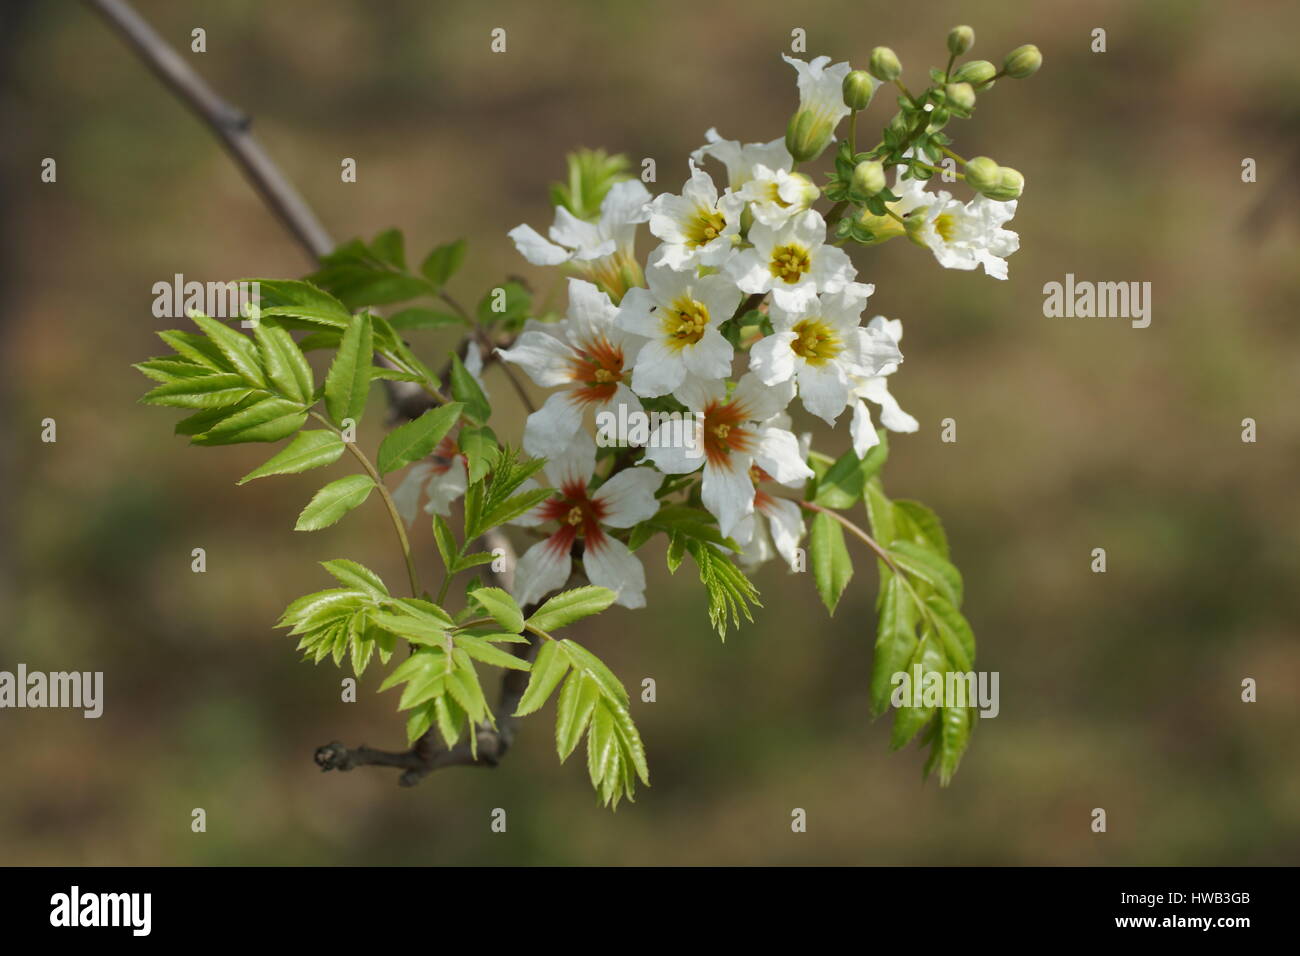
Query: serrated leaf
(479, 445)
(197, 348)
(480, 650)
(930, 567)
(501, 607)
(416, 439)
(238, 349)
(570, 606)
(352, 574)
(308, 450)
(895, 640)
(285, 365)
(831, 565)
(348, 381)
(294, 297)
(271, 419)
(921, 525)
(548, 670)
(577, 700)
(218, 390)
(334, 501)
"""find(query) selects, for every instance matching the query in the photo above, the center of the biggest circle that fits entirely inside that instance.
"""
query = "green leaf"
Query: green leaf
(334, 501)
(416, 439)
(577, 701)
(954, 632)
(355, 575)
(480, 650)
(348, 381)
(467, 391)
(831, 565)
(934, 570)
(895, 640)
(441, 264)
(479, 445)
(920, 524)
(285, 365)
(198, 349)
(417, 630)
(844, 482)
(293, 297)
(390, 247)
(417, 317)
(308, 450)
(570, 606)
(548, 670)
(218, 390)
(501, 607)
(955, 728)
(238, 349)
(271, 419)
(909, 720)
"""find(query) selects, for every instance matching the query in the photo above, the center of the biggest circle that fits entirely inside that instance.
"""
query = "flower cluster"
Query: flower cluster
(685, 332)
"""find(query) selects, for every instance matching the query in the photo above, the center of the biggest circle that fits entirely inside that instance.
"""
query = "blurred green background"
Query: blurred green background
(1119, 690)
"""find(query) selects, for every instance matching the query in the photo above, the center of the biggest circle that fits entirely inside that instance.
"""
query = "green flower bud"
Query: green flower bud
(1010, 185)
(938, 120)
(960, 95)
(960, 39)
(868, 178)
(900, 125)
(976, 72)
(983, 174)
(881, 228)
(884, 64)
(1023, 61)
(858, 88)
(806, 136)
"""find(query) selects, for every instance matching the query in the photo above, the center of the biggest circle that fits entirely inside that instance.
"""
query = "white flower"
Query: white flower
(777, 523)
(602, 251)
(875, 388)
(443, 478)
(776, 195)
(961, 236)
(821, 89)
(587, 356)
(697, 228)
(742, 161)
(737, 433)
(792, 261)
(624, 500)
(679, 313)
(822, 346)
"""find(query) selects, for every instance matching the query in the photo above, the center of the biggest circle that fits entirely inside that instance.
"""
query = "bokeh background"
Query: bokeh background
(1119, 690)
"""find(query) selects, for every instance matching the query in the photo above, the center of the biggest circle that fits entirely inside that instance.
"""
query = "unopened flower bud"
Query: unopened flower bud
(976, 72)
(1010, 185)
(983, 174)
(809, 192)
(884, 64)
(858, 88)
(1023, 61)
(881, 228)
(960, 39)
(868, 177)
(960, 95)
(806, 136)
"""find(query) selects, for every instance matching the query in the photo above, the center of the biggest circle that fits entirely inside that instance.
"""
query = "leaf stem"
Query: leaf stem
(398, 524)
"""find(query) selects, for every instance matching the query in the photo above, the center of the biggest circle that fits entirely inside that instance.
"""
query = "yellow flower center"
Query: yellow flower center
(816, 342)
(685, 322)
(722, 431)
(706, 227)
(774, 194)
(945, 226)
(603, 376)
(789, 263)
(575, 516)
